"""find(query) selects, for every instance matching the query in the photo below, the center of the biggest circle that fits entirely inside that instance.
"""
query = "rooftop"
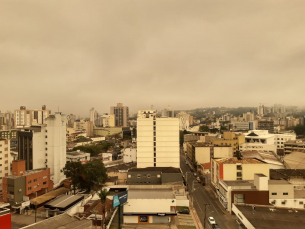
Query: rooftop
(278, 174)
(77, 153)
(235, 160)
(63, 221)
(161, 169)
(49, 196)
(261, 155)
(238, 183)
(275, 182)
(63, 201)
(264, 217)
(150, 194)
(295, 160)
(29, 172)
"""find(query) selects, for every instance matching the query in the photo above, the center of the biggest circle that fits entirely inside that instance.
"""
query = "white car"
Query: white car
(211, 220)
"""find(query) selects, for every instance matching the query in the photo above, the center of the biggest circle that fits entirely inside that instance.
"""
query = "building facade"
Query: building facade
(45, 146)
(184, 120)
(121, 114)
(157, 140)
(26, 118)
(4, 159)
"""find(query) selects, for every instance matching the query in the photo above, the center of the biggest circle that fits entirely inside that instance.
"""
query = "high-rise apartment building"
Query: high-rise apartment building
(4, 159)
(184, 120)
(6, 120)
(249, 116)
(44, 146)
(26, 118)
(121, 114)
(167, 112)
(157, 140)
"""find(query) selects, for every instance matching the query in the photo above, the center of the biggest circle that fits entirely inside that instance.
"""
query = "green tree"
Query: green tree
(74, 171)
(204, 128)
(103, 196)
(299, 129)
(238, 155)
(94, 172)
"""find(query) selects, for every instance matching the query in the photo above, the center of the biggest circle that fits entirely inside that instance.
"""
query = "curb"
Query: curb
(196, 218)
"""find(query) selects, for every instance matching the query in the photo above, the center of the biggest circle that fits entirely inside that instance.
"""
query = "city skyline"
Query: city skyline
(77, 55)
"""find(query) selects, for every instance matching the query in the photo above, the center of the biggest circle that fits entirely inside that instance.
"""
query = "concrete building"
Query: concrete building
(121, 114)
(22, 183)
(229, 139)
(262, 216)
(243, 192)
(236, 169)
(167, 113)
(202, 152)
(282, 138)
(296, 177)
(249, 116)
(108, 120)
(157, 140)
(129, 155)
(6, 120)
(5, 162)
(259, 140)
(154, 176)
(45, 146)
(184, 120)
(26, 118)
(150, 206)
(241, 125)
(191, 120)
(266, 125)
(120, 171)
(93, 116)
(294, 145)
(77, 156)
(83, 126)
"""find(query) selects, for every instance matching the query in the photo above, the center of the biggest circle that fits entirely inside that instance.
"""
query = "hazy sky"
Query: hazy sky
(187, 54)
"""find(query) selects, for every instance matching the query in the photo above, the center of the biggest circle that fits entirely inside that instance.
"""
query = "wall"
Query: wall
(35, 186)
(230, 172)
(149, 205)
(130, 219)
(129, 155)
(248, 170)
(202, 155)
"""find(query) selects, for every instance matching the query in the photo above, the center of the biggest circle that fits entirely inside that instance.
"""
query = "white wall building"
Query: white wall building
(149, 206)
(258, 140)
(78, 156)
(241, 125)
(157, 140)
(280, 139)
(48, 145)
(184, 120)
(26, 118)
(129, 155)
(5, 159)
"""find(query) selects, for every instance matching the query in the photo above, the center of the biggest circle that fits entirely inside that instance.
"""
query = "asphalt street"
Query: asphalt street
(204, 200)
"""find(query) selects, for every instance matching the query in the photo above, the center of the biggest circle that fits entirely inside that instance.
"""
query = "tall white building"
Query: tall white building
(184, 120)
(5, 159)
(26, 118)
(45, 146)
(157, 140)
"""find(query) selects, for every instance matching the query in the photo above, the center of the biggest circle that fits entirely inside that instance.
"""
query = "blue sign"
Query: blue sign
(120, 199)
(116, 201)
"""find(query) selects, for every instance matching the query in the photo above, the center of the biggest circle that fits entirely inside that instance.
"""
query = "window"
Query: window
(148, 175)
(44, 183)
(154, 159)
(139, 176)
(29, 182)
(11, 193)
(239, 167)
(35, 180)
(285, 193)
(274, 194)
(301, 202)
(29, 188)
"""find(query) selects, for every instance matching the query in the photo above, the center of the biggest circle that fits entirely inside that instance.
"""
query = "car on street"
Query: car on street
(195, 174)
(198, 180)
(215, 226)
(211, 220)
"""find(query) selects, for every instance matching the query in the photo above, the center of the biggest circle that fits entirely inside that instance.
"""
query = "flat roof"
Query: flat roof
(275, 182)
(64, 201)
(150, 194)
(125, 166)
(234, 160)
(238, 183)
(295, 160)
(299, 194)
(156, 169)
(49, 196)
(273, 217)
(278, 174)
(63, 221)
(77, 153)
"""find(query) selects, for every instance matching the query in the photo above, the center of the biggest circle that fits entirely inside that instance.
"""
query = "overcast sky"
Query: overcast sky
(186, 54)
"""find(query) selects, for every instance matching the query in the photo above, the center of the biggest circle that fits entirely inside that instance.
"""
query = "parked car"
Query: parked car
(198, 180)
(195, 174)
(211, 220)
(215, 226)
(184, 211)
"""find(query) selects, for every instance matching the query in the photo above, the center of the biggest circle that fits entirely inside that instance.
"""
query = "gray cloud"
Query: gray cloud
(78, 54)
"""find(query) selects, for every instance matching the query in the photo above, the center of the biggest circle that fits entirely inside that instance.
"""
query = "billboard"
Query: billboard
(120, 199)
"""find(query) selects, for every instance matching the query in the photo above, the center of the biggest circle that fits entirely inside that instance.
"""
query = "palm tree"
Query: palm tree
(103, 196)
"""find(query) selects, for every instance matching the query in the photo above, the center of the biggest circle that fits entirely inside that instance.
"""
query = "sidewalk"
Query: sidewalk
(196, 218)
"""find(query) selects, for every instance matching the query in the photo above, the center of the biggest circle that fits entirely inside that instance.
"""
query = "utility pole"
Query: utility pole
(205, 212)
